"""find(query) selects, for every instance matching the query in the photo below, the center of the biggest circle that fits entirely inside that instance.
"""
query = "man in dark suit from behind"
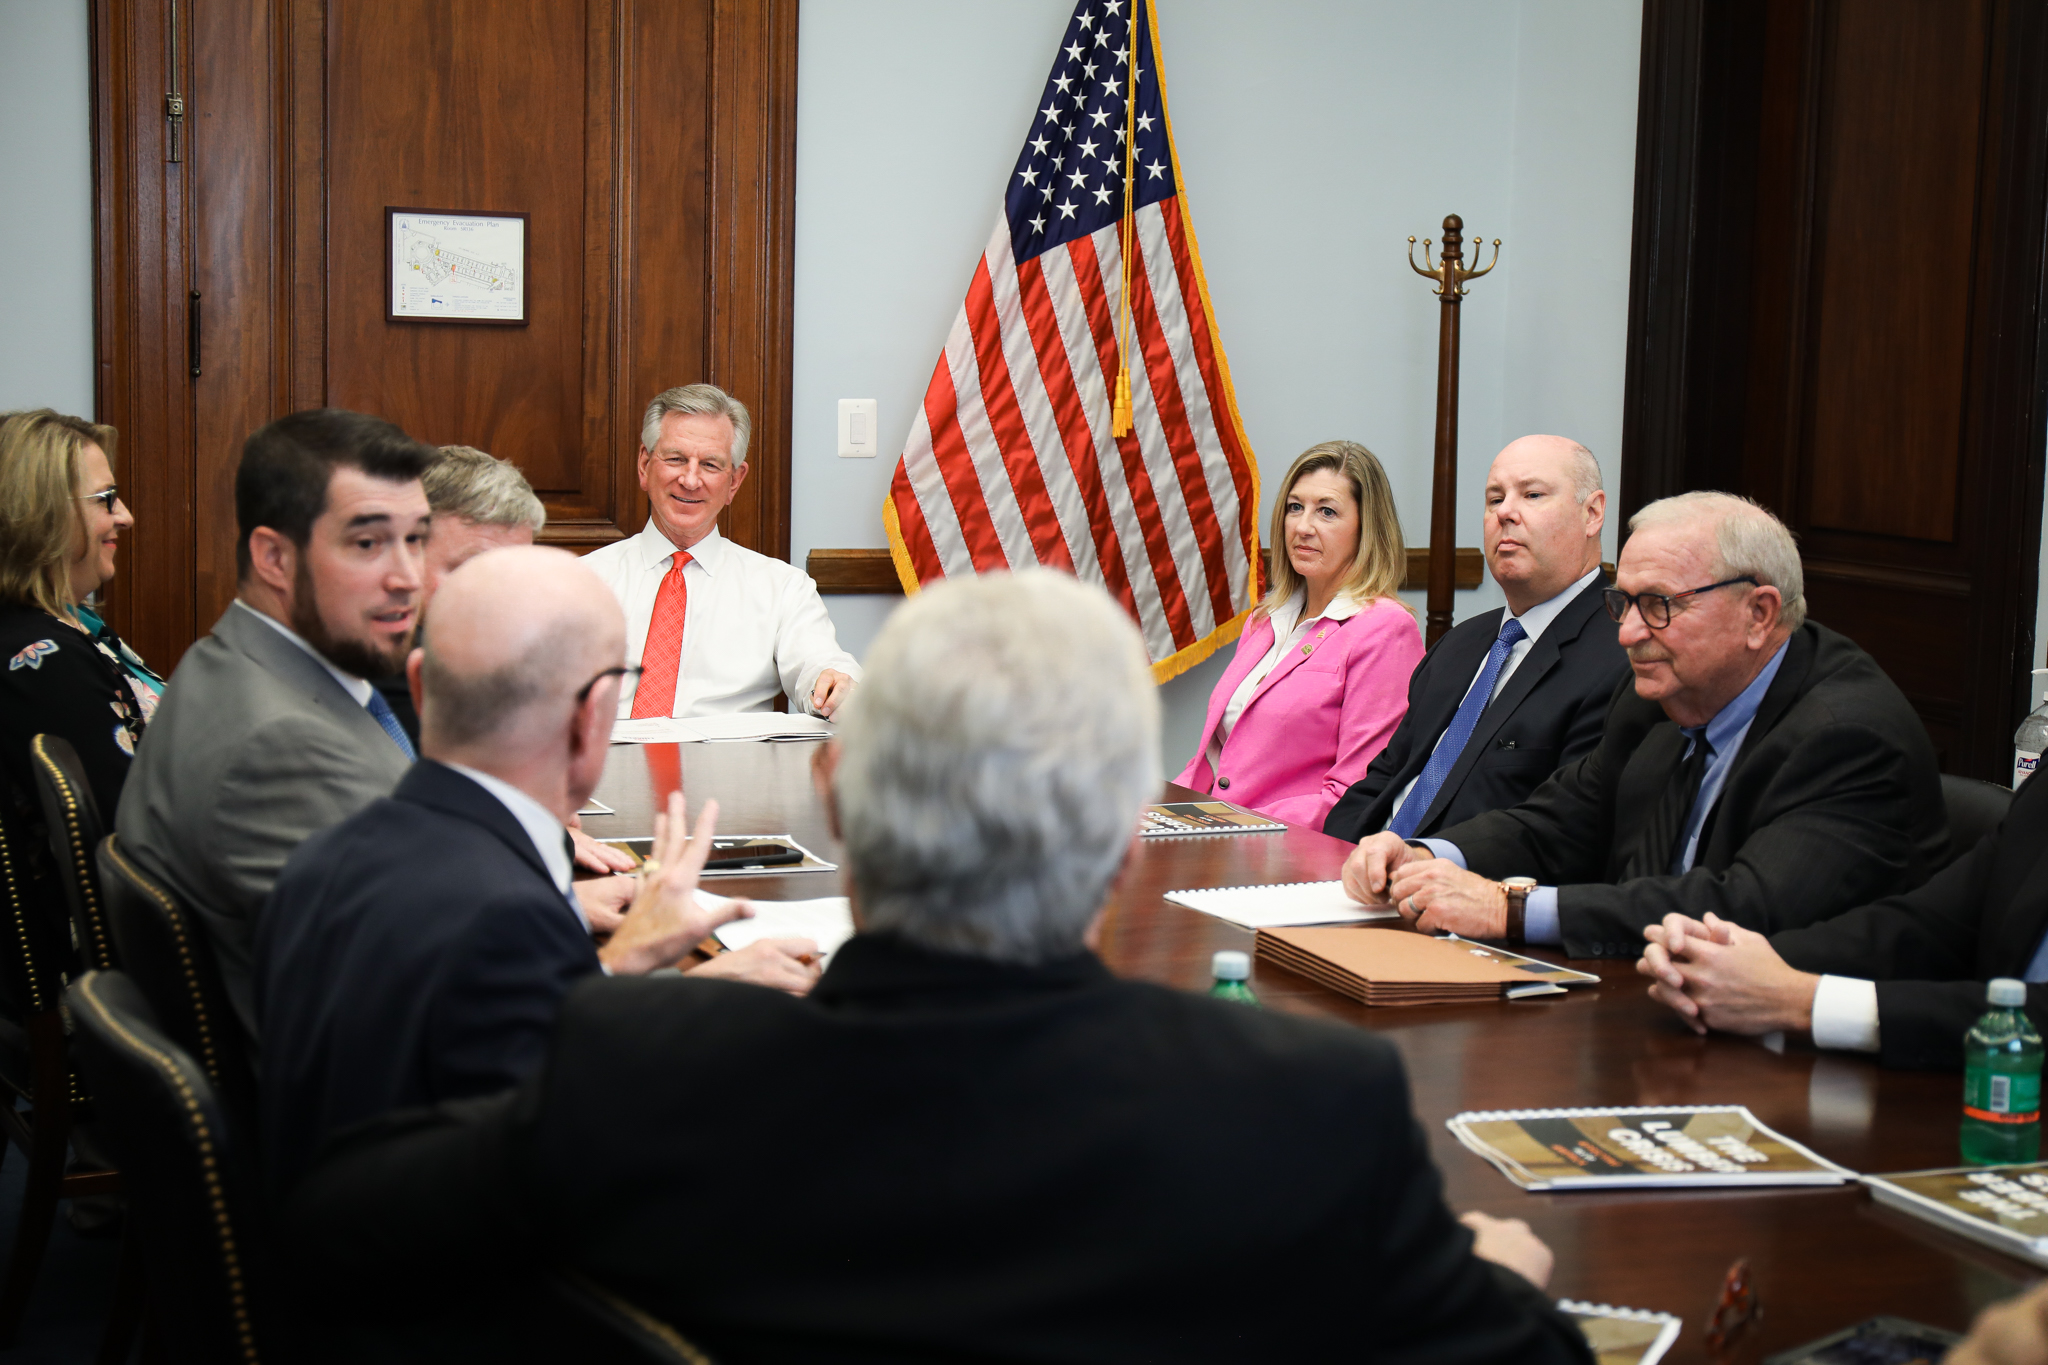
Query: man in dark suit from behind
(1903, 978)
(1511, 695)
(1763, 768)
(971, 1141)
(419, 950)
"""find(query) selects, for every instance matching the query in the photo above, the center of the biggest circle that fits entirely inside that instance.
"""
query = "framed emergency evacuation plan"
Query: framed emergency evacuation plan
(445, 266)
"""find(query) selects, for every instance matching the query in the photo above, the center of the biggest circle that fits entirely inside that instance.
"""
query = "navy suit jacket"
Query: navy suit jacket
(933, 1158)
(414, 953)
(1549, 714)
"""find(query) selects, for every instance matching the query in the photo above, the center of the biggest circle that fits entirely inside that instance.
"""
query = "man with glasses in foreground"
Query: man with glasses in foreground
(1763, 769)
(418, 951)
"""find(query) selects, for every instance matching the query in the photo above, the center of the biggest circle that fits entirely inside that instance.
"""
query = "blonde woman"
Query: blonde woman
(63, 671)
(1320, 678)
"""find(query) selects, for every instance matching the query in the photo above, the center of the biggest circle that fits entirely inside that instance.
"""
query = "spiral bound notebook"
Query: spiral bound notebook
(1622, 1336)
(2001, 1206)
(1199, 819)
(1270, 907)
(1677, 1145)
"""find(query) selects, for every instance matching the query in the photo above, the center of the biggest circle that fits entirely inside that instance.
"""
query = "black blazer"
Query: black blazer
(1548, 715)
(933, 1158)
(1931, 951)
(1833, 801)
(416, 952)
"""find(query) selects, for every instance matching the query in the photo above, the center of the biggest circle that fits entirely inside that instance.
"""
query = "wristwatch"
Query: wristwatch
(1518, 889)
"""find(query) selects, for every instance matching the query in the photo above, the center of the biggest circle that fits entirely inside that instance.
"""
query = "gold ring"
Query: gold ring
(649, 866)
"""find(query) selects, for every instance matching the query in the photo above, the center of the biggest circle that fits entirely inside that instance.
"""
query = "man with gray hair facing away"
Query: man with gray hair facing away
(716, 627)
(1762, 769)
(971, 1141)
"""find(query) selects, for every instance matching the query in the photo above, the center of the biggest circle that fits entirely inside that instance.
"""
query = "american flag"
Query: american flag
(1012, 461)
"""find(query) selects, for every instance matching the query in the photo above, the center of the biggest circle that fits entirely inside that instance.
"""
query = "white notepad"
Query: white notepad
(1275, 907)
(741, 725)
(827, 921)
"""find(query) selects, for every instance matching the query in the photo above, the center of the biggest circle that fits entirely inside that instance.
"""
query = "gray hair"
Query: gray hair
(995, 758)
(1585, 472)
(699, 400)
(465, 482)
(1749, 540)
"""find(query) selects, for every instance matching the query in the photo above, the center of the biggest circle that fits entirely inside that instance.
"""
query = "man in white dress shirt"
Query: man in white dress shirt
(717, 627)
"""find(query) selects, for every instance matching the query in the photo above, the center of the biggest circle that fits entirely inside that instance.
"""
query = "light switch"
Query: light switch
(857, 428)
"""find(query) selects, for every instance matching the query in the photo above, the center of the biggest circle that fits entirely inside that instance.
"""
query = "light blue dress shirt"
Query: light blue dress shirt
(1725, 733)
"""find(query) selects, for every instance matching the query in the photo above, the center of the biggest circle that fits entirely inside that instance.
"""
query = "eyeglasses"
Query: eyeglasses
(622, 671)
(106, 498)
(1655, 606)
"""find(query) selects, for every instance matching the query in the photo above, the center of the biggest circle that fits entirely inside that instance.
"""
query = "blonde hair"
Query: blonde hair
(467, 483)
(40, 455)
(1381, 562)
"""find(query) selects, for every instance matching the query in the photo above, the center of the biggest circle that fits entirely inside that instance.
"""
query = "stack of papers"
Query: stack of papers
(1265, 907)
(1680, 1144)
(1401, 967)
(743, 725)
(827, 922)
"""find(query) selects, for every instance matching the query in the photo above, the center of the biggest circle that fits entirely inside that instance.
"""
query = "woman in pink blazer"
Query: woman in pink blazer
(1320, 678)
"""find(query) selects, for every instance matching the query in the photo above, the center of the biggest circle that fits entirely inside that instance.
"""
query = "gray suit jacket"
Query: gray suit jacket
(254, 747)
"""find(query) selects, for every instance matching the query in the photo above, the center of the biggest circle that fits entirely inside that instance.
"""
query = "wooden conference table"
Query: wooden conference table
(1823, 1259)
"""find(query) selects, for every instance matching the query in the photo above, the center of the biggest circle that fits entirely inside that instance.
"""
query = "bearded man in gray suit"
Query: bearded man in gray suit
(269, 730)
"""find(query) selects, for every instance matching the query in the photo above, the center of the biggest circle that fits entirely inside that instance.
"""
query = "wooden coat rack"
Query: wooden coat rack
(1451, 276)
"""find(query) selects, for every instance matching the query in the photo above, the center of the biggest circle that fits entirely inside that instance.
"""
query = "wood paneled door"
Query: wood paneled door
(1837, 310)
(651, 144)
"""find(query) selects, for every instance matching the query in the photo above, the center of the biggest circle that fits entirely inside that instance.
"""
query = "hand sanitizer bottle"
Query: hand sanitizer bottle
(2032, 737)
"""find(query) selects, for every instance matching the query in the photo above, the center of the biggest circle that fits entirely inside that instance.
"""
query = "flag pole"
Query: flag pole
(1120, 422)
(1450, 275)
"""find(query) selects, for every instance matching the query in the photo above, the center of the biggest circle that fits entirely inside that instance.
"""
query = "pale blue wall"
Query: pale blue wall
(45, 207)
(1315, 137)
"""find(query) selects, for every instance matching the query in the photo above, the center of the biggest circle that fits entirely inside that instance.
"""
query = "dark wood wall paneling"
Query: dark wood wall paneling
(652, 145)
(1836, 309)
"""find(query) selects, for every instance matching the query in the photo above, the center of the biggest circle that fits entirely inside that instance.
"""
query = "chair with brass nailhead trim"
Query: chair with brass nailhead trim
(72, 819)
(190, 1178)
(165, 954)
(37, 958)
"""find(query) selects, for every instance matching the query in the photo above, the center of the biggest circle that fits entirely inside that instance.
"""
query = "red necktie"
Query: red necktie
(663, 652)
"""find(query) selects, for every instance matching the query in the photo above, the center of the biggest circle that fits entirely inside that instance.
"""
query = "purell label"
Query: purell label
(2023, 765)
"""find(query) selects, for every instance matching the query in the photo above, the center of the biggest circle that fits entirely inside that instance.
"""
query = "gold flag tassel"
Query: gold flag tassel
(1120, 422)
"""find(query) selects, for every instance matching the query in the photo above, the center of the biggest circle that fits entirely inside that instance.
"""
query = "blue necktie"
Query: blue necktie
(380, 711)
(1445, 756)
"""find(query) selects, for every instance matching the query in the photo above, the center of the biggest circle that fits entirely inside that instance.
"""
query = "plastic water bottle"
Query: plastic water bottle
(2002, 1081)
(2031, 739)
(1233, 973)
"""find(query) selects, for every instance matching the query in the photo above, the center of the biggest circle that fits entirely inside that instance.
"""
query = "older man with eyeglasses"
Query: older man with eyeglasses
(1762, 768)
